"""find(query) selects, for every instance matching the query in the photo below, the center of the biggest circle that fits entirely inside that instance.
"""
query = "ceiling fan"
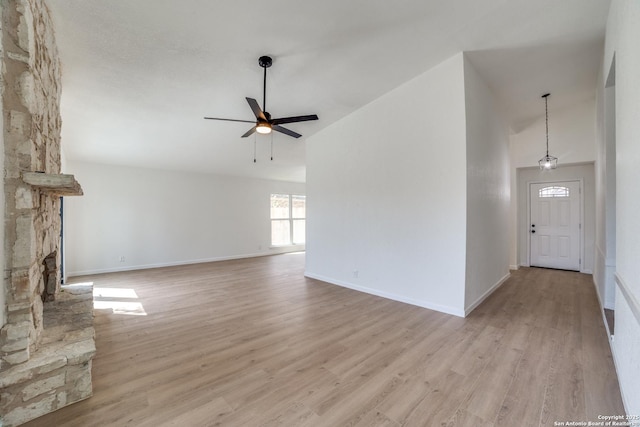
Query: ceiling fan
(264, 124)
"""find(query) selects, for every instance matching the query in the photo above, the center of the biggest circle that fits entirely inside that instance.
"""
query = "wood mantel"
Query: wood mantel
(54, 184)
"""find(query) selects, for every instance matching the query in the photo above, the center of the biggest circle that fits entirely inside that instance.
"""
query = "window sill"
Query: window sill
(300, 246)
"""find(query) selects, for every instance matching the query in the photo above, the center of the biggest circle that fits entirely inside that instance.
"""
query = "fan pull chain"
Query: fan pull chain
(271, 146)
(254, 149)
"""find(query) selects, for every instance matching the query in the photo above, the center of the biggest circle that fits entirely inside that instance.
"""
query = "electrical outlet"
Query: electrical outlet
(121, 258)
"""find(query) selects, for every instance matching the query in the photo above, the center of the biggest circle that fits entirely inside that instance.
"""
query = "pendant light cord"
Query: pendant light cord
(546, 115)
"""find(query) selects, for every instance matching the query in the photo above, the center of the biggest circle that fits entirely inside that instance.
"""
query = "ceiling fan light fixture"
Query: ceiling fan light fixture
(547, 162)
(263, 128)
(264, 124)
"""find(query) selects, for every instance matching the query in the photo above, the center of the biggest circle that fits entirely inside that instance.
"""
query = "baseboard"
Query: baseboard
(486, 295)
(174, 263)
(387, 295)
(514, 267)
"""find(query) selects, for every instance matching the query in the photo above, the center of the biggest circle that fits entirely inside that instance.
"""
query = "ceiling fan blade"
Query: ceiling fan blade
(230, 120)
(294, 119)
(249, 132)
(285, 131)
(255, 107)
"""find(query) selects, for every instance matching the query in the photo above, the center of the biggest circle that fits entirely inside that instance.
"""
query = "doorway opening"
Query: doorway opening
(606, 244)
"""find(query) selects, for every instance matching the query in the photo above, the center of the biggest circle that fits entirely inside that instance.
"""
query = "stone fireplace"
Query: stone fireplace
(46, 335)
(50, 277)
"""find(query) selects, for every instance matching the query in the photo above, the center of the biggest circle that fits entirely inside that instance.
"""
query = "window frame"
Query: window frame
(290, 218)
(554, 191)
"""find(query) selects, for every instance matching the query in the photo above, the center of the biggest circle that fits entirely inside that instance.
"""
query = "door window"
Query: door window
(554, 192)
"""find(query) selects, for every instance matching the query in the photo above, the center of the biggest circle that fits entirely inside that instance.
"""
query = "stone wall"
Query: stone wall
(38, 369)
(30, 104)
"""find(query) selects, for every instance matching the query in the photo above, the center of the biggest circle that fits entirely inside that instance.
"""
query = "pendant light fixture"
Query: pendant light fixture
(547, 162)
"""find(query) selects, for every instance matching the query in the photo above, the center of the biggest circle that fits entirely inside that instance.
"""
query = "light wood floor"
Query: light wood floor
(252, 343)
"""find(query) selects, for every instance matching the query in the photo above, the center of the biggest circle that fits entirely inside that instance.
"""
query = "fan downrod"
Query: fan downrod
(264, 123)
(265, 61)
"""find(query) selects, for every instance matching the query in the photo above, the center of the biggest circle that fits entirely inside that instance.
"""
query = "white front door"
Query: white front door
(555, 225)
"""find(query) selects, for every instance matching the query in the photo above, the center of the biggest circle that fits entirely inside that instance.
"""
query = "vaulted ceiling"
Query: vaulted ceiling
(139, 76)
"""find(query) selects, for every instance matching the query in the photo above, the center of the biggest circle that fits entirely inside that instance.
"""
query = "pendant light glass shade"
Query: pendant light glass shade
(547, 162)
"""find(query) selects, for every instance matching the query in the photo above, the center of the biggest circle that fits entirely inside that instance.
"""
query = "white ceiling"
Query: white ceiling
(139, 76)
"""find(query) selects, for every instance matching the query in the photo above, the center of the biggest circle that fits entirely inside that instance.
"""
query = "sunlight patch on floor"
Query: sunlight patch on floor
(121, 307)
(114, 293)
(112, 299)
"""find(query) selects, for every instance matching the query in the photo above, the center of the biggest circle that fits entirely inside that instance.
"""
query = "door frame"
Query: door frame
(580, 181)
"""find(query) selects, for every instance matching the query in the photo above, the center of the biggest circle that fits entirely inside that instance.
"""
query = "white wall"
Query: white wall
(488, 191)
(572, 134)
(157, 218)
(386, 189)
(623, 33)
